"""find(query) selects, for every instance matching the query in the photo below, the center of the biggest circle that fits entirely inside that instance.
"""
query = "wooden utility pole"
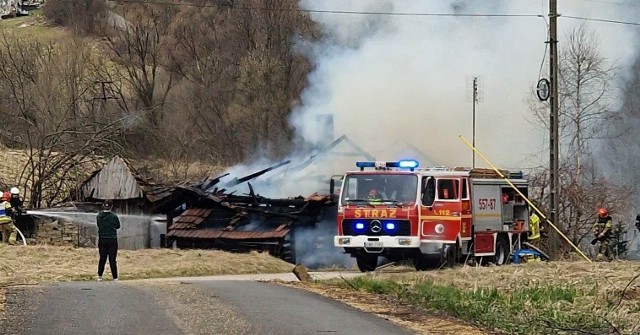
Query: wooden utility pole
(554, 202)
(104, 96)
(475, 100)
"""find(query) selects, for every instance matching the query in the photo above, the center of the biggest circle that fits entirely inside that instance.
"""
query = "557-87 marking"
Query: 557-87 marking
(486, 204)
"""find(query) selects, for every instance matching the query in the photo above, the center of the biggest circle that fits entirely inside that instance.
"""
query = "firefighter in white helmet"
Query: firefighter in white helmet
(15, 200)
(6, 222)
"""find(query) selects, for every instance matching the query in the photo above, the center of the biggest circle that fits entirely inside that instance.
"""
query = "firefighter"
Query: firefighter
(534, 228)
(602, 230)
(6, 222)
(374, 196)
(15, 201)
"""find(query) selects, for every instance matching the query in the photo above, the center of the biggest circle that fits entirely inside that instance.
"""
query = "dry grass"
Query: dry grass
(534, 298)
(33, 26)
(607, 278)
(36, 264)
(11, 164)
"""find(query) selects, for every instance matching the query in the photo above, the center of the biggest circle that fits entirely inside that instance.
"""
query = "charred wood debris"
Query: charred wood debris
(229, 221)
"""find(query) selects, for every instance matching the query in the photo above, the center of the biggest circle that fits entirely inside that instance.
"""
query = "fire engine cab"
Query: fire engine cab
(431, 216)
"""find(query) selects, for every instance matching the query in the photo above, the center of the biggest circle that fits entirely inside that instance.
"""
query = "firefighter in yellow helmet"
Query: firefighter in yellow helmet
(6, 222)
(602, 230)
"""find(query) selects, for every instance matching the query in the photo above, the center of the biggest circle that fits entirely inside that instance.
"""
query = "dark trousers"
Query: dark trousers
(108, 247)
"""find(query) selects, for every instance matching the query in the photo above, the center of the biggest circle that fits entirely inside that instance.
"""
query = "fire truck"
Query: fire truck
(432, 217)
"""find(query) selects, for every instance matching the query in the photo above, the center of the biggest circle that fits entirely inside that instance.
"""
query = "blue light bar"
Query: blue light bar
(411, 164)
(359, 226)
(365, 164)
(391, 226)
(405, 164)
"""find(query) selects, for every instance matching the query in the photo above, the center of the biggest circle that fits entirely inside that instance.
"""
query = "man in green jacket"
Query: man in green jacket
(108, 225)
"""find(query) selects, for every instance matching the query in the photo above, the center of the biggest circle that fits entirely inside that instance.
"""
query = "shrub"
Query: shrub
(85, 16)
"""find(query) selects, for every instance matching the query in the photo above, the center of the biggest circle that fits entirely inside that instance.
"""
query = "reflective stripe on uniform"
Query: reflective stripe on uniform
(4, 217)
(534, 226)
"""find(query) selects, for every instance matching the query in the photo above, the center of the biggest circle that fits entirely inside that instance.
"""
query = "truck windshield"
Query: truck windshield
(389, 188)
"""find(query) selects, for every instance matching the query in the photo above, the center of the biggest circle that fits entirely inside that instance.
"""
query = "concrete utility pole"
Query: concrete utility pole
(554, 202)
(475, 100)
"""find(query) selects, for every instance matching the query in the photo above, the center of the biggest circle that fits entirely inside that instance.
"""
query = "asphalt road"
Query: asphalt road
(182, 307)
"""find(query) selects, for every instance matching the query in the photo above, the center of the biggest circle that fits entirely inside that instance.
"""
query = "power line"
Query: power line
(600, 20)
(321, 11)
(614, 3)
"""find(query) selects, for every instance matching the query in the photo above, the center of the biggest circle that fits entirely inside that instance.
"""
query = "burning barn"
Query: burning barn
(241, 222)
(293, 218)
(232, 216)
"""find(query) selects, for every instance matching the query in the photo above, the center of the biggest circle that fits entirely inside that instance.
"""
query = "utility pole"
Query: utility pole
(554, 202)
(475, 100)
(104, 96)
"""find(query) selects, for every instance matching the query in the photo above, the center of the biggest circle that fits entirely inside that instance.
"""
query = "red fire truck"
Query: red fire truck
(431, 216)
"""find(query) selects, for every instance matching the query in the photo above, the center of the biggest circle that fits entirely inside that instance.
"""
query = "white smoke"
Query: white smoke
(387, 77)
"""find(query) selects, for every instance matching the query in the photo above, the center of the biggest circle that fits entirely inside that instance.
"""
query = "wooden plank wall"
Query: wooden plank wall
(114, 181)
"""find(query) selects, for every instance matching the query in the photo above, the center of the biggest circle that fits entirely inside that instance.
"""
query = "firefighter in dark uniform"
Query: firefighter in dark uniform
(603, 230)
(15, 200)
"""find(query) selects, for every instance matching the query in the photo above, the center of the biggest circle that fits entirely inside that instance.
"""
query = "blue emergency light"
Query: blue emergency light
(363, 165)
(408, 164)
(405, 164)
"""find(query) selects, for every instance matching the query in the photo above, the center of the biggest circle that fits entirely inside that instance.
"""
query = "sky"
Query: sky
(390, 77)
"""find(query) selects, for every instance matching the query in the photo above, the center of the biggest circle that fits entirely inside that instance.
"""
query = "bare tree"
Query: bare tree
(205, 54)
(47, 90)
(244, 74)
(272, 74)
(84, 16)
(139, 47)
(585, 81)
(584, 100)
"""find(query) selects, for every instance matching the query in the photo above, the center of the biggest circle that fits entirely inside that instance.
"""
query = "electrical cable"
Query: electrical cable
(599, 20)
(614, 3)
(321, 11)
(316, 11)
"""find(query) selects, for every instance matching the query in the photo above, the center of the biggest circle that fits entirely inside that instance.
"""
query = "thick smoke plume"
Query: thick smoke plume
(397, 77)
(387, 77)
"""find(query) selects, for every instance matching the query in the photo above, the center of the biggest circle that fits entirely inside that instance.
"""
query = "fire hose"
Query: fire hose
(526, 199)
(24, 240)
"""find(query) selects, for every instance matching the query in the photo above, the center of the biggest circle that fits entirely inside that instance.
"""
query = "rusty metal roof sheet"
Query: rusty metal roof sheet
(191, 218)
(221, 234)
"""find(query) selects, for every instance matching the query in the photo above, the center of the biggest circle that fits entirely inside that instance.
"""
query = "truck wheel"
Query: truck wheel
(367, 262)
(502, 251)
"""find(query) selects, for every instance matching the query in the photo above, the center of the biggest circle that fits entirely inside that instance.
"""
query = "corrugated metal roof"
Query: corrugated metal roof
(191, 218)
(222, 234)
